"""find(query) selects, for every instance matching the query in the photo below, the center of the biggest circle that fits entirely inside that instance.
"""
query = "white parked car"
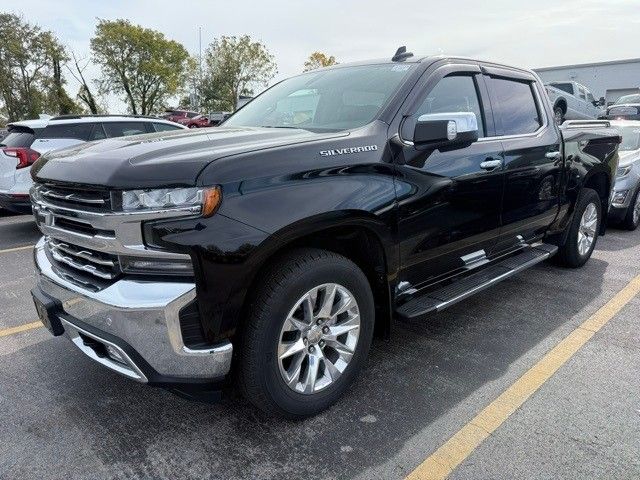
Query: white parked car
(573, 101)
(29, 139)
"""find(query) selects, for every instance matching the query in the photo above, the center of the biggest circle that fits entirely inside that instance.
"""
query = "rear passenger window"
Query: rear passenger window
(123, 129)
(77, 131)
(514, 106)
(165, 127)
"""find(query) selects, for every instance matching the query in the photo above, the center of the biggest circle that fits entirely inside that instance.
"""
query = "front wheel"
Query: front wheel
(583, 231)
(308, 333)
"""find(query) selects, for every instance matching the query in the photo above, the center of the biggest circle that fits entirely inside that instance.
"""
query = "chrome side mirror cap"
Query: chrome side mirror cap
(446, 129)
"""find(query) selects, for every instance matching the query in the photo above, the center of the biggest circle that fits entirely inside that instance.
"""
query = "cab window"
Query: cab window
(515, 108)
(452, 94)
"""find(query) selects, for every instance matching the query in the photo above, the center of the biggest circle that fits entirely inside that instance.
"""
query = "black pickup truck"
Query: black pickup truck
(268, 252)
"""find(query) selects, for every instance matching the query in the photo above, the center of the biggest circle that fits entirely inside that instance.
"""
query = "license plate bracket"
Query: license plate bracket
(48, 309)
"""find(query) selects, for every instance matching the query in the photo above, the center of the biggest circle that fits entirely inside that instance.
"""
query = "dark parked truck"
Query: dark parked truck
(267, 253)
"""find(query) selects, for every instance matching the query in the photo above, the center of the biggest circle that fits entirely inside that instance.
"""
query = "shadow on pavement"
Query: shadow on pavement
(426, 369)
(18, 230)
(624, 239)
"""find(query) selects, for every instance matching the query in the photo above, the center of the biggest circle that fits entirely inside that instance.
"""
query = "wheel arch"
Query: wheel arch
(359, 236)
(562, 103)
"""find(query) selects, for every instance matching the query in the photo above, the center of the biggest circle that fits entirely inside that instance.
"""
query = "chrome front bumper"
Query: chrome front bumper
(137, 315)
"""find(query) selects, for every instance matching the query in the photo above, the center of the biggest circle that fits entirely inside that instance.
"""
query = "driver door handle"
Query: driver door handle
(491, 163)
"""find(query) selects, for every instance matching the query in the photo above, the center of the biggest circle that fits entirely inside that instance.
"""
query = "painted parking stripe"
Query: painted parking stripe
(20, 328)
(16, 249)
(454, 451)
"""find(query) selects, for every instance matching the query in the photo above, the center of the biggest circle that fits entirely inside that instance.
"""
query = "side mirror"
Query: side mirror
(450, 130)
(602, 102)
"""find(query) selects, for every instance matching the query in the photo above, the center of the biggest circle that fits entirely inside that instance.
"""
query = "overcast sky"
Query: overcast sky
(531, 34)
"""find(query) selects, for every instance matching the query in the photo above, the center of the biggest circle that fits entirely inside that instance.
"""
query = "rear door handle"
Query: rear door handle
(491, 164)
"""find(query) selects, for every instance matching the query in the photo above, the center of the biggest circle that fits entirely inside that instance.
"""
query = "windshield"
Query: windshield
(336, 99)
(630, 138)
(635, 98)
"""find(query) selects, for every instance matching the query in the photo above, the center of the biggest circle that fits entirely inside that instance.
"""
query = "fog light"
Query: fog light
(619, 197)
(156, 266)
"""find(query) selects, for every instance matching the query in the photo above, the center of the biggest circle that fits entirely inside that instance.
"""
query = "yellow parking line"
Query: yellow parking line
(454, 451)
(21, 328)
(16, 249)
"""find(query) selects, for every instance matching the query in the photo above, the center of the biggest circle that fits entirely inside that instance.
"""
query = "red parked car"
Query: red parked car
(177, 115)
(195, 122)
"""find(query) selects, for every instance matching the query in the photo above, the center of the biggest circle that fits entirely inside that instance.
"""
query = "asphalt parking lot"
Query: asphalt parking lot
(62, 416)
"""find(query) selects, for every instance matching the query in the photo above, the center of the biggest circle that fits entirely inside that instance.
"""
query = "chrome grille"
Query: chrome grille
(70, 197)
(97, 264)
(85, 241)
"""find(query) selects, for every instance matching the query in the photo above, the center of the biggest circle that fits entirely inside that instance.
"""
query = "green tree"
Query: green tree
(319, 60)
(234, 66)
(30, 70)
(139, 63)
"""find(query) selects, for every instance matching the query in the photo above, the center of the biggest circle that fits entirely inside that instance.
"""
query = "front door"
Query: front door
(448, 201)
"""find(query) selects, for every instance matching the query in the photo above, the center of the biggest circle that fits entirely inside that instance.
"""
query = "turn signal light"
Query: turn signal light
(211, 200)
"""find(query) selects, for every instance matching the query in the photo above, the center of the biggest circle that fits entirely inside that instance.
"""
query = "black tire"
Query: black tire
(558, 115)
(629, 222)
(569, 254)
(286, 281)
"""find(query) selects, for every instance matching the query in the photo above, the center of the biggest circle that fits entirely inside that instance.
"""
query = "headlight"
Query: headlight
(205, 201)
(623, 171)
(619, 197)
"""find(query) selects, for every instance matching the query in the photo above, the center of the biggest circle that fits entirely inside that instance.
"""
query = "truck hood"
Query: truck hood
(161, 159)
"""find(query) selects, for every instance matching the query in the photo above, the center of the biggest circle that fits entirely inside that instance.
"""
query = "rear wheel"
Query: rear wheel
(308, 334)
(583, 231)
(632, 218)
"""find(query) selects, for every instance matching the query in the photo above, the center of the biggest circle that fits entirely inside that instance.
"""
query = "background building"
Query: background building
(605, 79)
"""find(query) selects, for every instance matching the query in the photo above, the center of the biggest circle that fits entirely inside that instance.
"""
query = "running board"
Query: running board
(444, 297)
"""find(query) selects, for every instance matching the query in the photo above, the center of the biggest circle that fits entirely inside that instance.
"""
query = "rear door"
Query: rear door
(533, 162)
(449, 201)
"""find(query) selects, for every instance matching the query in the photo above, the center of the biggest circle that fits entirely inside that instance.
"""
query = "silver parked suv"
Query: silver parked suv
(28, 140)
(625, 207)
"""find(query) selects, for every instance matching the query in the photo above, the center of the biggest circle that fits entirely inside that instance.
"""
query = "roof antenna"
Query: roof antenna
(401, 54)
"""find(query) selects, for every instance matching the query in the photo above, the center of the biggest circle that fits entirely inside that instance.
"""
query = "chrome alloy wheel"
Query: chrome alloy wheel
(587, 230)
(318, 338)
(636, 210)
